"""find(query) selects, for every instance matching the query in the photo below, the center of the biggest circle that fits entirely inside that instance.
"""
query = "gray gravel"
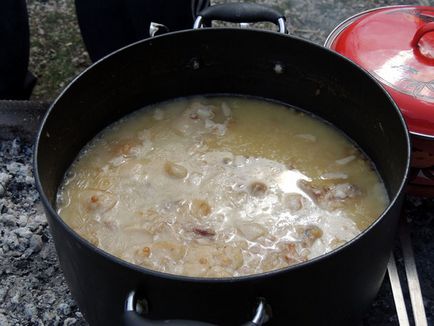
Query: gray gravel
(32, 288)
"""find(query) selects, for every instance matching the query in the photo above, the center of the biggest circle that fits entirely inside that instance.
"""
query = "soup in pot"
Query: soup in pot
(220, 187)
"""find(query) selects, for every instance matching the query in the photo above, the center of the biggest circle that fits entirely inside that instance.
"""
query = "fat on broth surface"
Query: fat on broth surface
(220, 187)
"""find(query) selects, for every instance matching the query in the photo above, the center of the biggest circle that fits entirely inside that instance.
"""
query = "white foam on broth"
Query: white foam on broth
(220, 187)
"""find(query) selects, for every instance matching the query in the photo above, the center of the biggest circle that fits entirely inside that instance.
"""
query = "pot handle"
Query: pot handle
(241, 13)
(134, 318)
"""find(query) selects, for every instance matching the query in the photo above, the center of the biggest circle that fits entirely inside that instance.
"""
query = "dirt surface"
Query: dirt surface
(57, 53)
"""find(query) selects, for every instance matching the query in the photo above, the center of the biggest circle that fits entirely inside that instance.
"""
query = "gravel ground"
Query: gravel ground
(32, 288)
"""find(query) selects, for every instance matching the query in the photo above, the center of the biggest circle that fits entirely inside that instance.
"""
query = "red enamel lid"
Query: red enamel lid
(396, 46)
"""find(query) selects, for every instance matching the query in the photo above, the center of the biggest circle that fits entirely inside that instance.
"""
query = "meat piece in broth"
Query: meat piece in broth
(220, 187)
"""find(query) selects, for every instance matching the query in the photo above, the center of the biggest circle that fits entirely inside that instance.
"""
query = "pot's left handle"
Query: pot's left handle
(133, 318)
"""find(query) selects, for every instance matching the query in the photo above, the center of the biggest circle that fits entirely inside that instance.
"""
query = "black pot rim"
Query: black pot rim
(146, 271)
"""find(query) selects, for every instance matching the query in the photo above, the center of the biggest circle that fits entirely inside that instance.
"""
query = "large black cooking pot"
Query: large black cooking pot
(334, 289)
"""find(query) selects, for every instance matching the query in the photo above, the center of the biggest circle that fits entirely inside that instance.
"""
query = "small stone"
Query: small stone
(3, 292)
(16, 147)
(15, 167)
(23, 233)
(29, 180)
(40, 219)
(37, 221)
(8, 219)
(4, 320)
(48, 297)
(30, 310)
(49, 271)
(16, 298)
(64, 309)
(35, 243)
(22, 220)
(11, 241)
(50, 318)
(23, 244)
(69, 321)
(4, 178)
(45, 253)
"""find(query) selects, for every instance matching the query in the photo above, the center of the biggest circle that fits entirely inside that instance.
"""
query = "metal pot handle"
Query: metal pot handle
(241, 13)
(133, 318)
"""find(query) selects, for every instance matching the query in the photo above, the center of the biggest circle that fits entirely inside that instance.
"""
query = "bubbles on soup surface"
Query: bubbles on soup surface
(220, 187)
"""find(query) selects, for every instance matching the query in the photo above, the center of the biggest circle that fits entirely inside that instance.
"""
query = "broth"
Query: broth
(220, 187)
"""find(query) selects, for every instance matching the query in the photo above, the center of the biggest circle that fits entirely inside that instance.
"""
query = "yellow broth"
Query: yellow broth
(220, 187)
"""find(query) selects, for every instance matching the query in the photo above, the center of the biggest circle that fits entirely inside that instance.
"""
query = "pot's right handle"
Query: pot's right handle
(241, 13)
(133, 318)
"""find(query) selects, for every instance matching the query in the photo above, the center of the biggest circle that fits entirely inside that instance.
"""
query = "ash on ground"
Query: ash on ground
(32, 288)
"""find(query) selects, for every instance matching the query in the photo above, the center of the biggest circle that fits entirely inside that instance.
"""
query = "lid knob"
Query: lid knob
(424, 29)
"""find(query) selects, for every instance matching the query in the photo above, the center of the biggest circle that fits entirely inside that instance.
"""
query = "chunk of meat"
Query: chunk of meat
(206, 260)
(165, 249)
(200, 208)
(251, 231)
(294, 253)
(96, 201)
(335, 243)
(142, 253)
(330, 197)
(309, 234)
(313, 192)
(230, 256)
(131, 169)
(218, 271)
(126, 147)
(203, 232)
(175, 170)
(294, 202)
(195, 269)
(341, 191)
(258, 188)
(291, 255)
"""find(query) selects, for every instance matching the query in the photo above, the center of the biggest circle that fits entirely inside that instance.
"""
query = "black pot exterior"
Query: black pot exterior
(335, 289)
